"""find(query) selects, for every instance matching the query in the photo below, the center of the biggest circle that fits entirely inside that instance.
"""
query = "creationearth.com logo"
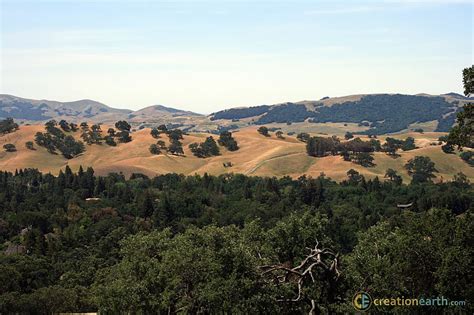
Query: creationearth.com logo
(362, 301)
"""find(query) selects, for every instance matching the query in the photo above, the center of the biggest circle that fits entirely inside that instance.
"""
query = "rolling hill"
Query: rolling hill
(369, 114)
(258, 155)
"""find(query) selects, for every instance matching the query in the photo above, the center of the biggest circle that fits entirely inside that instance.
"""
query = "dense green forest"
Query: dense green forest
(232, 243)
(375, 111)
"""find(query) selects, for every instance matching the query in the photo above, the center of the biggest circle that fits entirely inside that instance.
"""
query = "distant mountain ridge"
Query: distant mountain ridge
(380, 113)
(372, 113)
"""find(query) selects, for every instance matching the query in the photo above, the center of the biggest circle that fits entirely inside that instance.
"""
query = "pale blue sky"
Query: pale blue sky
(208, 55)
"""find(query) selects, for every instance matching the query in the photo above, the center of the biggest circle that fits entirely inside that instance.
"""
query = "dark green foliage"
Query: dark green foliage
(303, 137)
(151, 245)
(29, 145)
(175, 134)
(378, 109)
(155, 133)
(111, 132)
(348, 135)
(239, 113)
(109, 140)
(375, 111)
(263, 131)
(70, 148)
(155, 149)
(64, 125)
(447, 148)
(468, 157)
(279, 134)
(468, 80)
(123, 136)
(408, 144)
(226, 140)
(462, 134)
(205, 149)
(162, 128)
(421, 168)
(55, 139)
(363, 158)
(284, 113)
(161, 144)
(8, 125)
(92, 135)
(321, 146)
(176, 147)
(356, 150)
(122, 125)
(9, 147)
(393, 176)
(392, 145)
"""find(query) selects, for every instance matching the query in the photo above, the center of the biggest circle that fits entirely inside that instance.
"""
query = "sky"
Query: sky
(205, 56)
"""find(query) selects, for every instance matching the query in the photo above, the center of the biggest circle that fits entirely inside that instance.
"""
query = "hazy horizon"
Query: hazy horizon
(207, 56)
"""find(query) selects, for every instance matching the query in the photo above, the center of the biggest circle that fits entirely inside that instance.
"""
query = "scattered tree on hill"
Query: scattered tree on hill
(45, 140)
(9, 147)
(468, 157)
(162, 128)
(124, 136)
(226, 140)
(205, 149)
(70, 148)
(154, 149)
(109, 140)
(348, 135)
(176, 147)
(421, 169)
(375, 144)
(392, 145)
(263, 131)
(363, 158)
(408, 144)
(64, 125)
(55, 139)
(111, 132)
(279, 134)
(51, 128)
(8, 125)
(354, 177)
(393, 176)
(73, 127)
(29, 145)
(122, 125)
(92, 135)
(448, 148)
(175, 134)
(321, 146)
(303, 136)
(161, 144)
(155, 133)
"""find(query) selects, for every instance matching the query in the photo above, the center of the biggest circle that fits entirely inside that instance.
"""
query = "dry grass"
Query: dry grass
(258, 155)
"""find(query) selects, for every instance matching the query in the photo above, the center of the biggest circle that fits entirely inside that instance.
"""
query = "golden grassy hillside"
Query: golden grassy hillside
(258, 155)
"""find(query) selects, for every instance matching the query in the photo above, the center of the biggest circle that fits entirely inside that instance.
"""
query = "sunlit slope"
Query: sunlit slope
(258, 155)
